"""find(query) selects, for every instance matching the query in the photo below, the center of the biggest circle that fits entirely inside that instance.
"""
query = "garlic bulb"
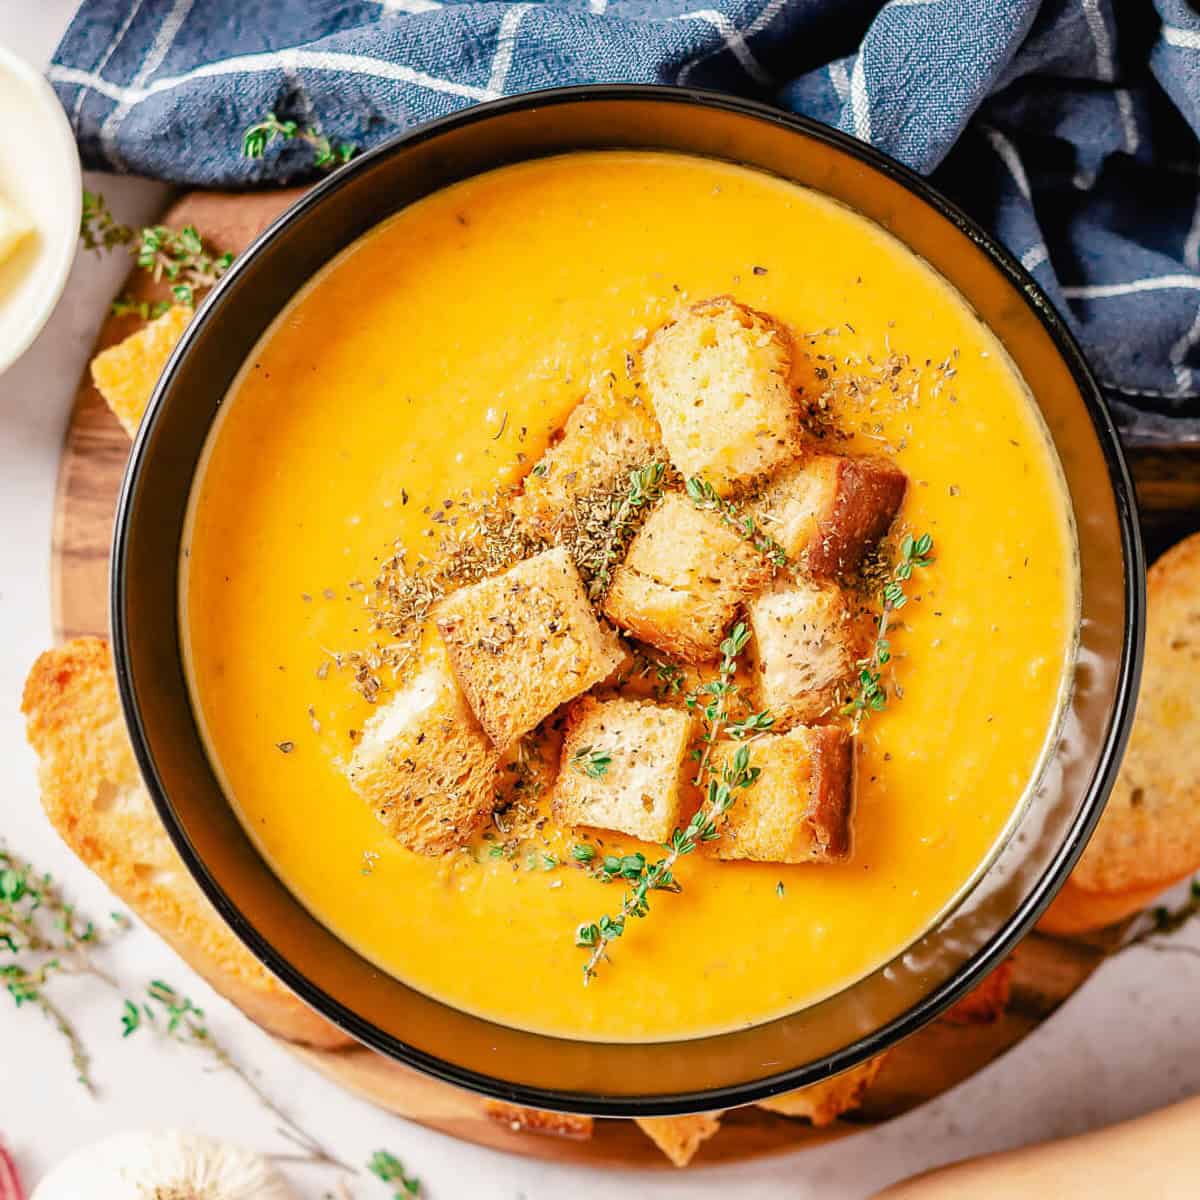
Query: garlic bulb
(163, 1165)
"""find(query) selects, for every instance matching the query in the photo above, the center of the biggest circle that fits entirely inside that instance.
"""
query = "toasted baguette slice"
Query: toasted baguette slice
(622, 762)
(524, 642)
(605, 437)
(94, 797)
(680, 1137)
(822, 1103)
(825, 510)
(1149, 835)
(808, 639)
(536, 1120)
(682, 580)
(801, 808)
(125, 374)
(425, 766)
(720, 381)
(984, 1004)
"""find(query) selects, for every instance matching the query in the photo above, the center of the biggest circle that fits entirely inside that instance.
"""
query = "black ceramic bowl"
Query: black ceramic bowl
(622, 1079)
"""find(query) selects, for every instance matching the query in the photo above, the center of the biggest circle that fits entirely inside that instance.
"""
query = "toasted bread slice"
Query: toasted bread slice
(1149, 835)
(825, 510)
(682, 581)
(125, 374)
(94, 797)
(605, 437)
(425, 766)
(680, 1137)
(984, 1004)
(622, 763)
(719, 379)
(800, 809)
(524, 642)
(536, 1120)
(808, 640)
(822, 1103)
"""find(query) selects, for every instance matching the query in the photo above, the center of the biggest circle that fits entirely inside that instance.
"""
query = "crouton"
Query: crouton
(680, 1137)
(125, 374)
(537, 1120)
(800, 808)
(425, 766)
(822, 1103)
(682, 580)
(719, 379)
(808, 639)
(986, 1003)
(621, 767)
(605, 437)
(824, 510)
(524, 642)
(94, 796)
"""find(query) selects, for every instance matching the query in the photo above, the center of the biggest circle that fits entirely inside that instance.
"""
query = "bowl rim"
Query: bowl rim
(971, 972)
(66, 233)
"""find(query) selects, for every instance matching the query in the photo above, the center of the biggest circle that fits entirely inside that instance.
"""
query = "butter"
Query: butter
(15, 227)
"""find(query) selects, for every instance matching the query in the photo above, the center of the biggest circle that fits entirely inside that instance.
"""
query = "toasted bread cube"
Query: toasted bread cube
(822, 1103)
(622, 763)
(808, 640)
(605, 437)
(424, 764)
(538, 1120)
(682, 580)
(125, 374)
(524, 642)
(799, 809)
(680, 1137)
(720, 381)
(826, 509)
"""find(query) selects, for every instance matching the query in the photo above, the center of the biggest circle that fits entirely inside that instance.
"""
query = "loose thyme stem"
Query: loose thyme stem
(871, 695)
(258, 137)
(704, 496)
(704, 825)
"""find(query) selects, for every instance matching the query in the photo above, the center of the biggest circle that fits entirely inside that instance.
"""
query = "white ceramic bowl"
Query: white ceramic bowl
(39, 173)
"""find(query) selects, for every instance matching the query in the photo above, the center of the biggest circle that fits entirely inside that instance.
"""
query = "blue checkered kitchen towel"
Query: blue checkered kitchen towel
(1068, 127)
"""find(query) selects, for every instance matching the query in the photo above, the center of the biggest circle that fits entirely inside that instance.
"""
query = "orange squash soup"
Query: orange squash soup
(424, 373)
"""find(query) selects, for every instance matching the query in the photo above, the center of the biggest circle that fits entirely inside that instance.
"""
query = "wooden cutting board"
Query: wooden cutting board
(1046, 970)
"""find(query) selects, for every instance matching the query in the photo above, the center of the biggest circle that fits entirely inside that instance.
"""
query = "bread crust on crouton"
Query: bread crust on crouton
(638, 792)
(94, 796)
(680, 1137)
(683, 579)
(537, 1120)
(425, 766)
(605, 437)
(126, 374)
(808, 640)
(524, 642)
(719, 378)
(800, 810)
(822, 1103)
(825, 510)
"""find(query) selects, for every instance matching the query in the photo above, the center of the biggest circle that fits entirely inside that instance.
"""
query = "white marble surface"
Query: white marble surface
(1130, 1041)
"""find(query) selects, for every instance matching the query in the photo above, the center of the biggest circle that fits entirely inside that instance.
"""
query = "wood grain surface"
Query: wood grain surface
(1046, 971)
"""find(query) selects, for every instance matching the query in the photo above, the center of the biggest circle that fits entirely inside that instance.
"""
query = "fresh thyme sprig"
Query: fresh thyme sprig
(43, 937)
(388, 1168)
(589, 761)
(871, 694)
(175, 1016)
(705, 825)
(177, 255)
(259, 136)
(643, 487)
(704, 496)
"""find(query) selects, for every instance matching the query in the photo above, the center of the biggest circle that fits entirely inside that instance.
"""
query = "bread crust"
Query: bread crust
(531, 627)
(95, 799)
(680, 1137)
(822, 1103)
(1149, 834)
(536, 1120)
(987, 1002)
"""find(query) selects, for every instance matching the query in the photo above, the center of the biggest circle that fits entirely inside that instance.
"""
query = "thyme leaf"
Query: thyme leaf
(704, 496)
(589, 761)
(326, 153)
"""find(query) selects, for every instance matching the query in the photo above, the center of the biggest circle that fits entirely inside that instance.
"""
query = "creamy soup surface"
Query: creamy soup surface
(439, 353)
